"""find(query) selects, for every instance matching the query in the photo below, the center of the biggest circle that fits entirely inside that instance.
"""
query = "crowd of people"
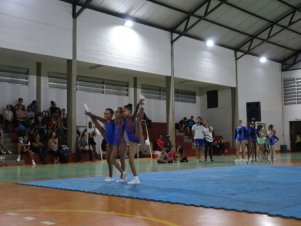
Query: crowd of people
(37, 132)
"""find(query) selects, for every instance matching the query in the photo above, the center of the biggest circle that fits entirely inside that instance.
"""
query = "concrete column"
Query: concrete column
(39, 86)
(71, 91)
(170, 99)
(234, 103)
(135, 90)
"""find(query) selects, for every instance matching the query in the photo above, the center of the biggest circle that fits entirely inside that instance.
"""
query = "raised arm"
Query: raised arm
(98, 126)
(92, 116)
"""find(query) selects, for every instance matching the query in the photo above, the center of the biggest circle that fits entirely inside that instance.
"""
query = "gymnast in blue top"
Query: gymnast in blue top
(272, 140)
(252, 138)
(108, 133)
(240, 138)
(133, 130)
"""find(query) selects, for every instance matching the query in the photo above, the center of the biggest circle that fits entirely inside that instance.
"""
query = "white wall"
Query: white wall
(195, 61)
(36, 26)
(220, 118)
(102, 39)
(290, 112)
(261, 82)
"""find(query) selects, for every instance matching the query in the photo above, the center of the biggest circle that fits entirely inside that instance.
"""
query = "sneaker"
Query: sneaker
(135, 180)
(33, 163)
(108, 179)
(18, 159)
(9, 152)
(2, 152)
(120, 180)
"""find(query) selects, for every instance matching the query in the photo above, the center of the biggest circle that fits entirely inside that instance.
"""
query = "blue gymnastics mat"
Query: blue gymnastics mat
(272, 190)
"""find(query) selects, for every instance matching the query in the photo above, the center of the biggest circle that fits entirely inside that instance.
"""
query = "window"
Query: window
(292, 91)
(16, 75)
(185, 96)
(212, 99)
(57, 80)
(153, 92)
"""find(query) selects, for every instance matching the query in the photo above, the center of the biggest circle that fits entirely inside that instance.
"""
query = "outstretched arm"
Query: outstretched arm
(92, 116)
(98, 126)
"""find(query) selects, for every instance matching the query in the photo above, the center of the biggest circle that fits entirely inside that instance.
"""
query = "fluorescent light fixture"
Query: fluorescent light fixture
(128, 23)
(210, 43)
(263, 59)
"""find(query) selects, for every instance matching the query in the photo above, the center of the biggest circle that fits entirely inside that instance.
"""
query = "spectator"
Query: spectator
(164, 158)
(21, 130)
(82, 146)
(30, 115)
(91, 134)
(218, 146)
(298, 141)
(53, 108)
(181, 155)
(21, 114)
(160, 143)
(8, 118)
(38, 147)
(64, 117)
(24, 147)
(40, 126)
(167, 144)
(19, 104)
(183, 125)
(53, 146)
(208, 132)
(34, 106)
(172, 155)
(3, 149)
(190, 123)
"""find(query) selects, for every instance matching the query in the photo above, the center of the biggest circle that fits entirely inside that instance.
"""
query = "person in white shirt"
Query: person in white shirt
(198, 134)
(208, 131)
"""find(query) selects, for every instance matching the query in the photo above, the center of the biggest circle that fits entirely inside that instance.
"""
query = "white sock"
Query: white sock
(136, 178)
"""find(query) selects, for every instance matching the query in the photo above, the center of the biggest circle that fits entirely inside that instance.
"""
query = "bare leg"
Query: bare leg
(113, 158)
(108, 157)
(132, 153)
(121, 149)
(138, 132)
(238, 144)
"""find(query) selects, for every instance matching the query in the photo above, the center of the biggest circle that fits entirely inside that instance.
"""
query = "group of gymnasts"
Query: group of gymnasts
(251, 137)
(124, 119)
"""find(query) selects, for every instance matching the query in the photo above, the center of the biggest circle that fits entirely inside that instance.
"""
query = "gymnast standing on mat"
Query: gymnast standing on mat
(108, 134)
(133, 130)
(119, 145)
(272, 140)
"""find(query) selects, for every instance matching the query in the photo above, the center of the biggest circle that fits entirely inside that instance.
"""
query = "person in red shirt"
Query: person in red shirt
(160, 143)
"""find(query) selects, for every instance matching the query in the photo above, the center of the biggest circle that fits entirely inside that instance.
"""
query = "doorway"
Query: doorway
(295, 127)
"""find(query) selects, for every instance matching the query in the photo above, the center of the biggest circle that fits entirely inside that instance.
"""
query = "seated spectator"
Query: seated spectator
(38, 147)
(82, 146)
(53, 146)
(64, 118)
(21, 130)
(91, 134)
(53, 108)
(34, 106)
(183, 125)
(190, 123)
(172, 155)
(24, 147)
(160, 143)
(167, 144)
(164, 158)
(8, 118)
(3, 149)
(21, 115)
(181, 155)
(20, 104)
(40, 126)
(218, 146)
(30, 115)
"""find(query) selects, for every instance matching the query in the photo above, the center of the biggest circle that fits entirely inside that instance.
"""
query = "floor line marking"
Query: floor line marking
(29, 218)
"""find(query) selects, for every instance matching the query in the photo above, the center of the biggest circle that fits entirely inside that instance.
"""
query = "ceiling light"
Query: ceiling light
(263, 60)
(129, 23)
(210, 43)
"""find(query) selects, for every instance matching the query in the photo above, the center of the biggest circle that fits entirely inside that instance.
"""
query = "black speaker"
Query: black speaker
(253, 112)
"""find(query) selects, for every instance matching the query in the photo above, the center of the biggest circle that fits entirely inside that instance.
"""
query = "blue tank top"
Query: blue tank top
(272, 139)
(109, 132)
(118, 133)
(130, 131)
